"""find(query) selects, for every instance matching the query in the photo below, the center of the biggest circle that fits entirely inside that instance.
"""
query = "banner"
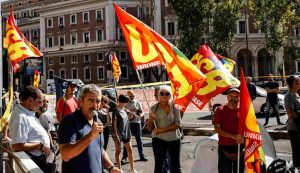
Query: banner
(218, 78)
(116, 67)
(36, 78)
(148, 49)
(18, 47)
(248, 127)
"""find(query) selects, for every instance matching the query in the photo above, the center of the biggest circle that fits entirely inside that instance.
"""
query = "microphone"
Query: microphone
(94, 115)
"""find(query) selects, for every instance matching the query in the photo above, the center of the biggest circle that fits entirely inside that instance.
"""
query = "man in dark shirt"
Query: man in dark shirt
(81, 139)
(251, 88)
(272, 88)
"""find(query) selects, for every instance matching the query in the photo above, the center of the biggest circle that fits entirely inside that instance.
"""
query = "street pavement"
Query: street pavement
(201, 119)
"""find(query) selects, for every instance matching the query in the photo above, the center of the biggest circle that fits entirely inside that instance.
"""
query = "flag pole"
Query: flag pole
(137, 72)
(238, 159)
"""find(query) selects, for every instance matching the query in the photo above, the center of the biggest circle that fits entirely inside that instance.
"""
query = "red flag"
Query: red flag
(248, 127)
(147, 49)
(218, 78)
(36, 78)
(18, 47)
(116, 67)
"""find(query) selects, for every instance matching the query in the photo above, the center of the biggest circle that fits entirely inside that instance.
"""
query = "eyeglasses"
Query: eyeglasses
(104, 101)
(164, 94)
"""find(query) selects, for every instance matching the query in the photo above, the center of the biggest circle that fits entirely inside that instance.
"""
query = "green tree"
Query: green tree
(194, 17)
(275, 18)
(225, 15)
(192, 22)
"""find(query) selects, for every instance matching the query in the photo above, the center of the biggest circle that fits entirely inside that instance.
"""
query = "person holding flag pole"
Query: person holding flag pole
(226, 120)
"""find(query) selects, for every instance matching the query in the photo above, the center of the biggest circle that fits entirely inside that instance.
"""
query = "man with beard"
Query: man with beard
(67, 104)
(42, 117)
(226, 121)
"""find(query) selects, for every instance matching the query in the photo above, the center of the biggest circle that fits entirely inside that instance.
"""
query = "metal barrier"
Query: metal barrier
(17, 162)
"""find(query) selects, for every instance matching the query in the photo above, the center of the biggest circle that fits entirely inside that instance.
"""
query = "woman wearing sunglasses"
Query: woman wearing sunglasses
(164, 122)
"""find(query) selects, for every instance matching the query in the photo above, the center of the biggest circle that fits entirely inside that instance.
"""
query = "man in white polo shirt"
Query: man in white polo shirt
(26, 132)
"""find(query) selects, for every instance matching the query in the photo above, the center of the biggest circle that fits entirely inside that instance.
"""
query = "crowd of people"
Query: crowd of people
(87, 122)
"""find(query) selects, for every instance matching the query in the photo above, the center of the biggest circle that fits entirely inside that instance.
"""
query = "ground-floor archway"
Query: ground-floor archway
(245, 60)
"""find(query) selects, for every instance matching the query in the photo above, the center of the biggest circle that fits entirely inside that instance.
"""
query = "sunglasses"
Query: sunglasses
(104, 101)
(164, 94)
(131, 96)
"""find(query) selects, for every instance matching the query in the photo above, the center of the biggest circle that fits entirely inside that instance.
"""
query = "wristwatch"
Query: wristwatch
(110, 168)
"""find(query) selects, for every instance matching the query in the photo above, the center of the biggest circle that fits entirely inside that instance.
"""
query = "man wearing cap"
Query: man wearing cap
(67, 104)
(226, 121)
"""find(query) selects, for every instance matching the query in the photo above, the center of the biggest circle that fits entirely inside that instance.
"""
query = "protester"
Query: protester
(226, 120)
(135, 125)
(272, 100)
(292, 105)
(251, 88)
(80, 138)
(103, 115)
(26, 132)
(42, 117)
(67, 104)
(121, 130)
(164, 122)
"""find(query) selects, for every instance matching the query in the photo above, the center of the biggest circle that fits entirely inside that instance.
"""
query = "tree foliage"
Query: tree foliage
(192, 22)
(194, 18)
(225, 15)
(275, 18)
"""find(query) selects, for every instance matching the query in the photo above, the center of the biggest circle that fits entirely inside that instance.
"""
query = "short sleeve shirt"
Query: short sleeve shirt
(229, 121)
(24, 127)
(291, 101)
(163, 120)
(73, 128)
(70, 106)
(134, 106)
(44, 122)
(272, 95)
(123, 126)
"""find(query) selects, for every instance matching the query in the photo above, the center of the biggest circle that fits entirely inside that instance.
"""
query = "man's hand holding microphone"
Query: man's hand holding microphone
(97, 126)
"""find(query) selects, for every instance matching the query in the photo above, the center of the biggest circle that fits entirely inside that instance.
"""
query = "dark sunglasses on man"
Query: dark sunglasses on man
(164, 94)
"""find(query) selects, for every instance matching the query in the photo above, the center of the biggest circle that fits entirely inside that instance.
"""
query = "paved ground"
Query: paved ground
(196, 120)
(187, 153)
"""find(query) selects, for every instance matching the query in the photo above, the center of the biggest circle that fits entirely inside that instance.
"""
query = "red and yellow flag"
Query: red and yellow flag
(227, 62)
(147, 49)
(218, 78)
(248, 127)
(116, 67)
(18, 47)
(36, 78)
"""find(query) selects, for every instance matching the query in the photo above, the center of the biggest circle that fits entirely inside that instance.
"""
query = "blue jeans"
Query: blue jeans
(160, 149)
(136, 130)
(275, 106)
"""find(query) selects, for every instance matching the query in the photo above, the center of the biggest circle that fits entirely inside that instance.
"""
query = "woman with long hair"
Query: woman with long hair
(164, 122)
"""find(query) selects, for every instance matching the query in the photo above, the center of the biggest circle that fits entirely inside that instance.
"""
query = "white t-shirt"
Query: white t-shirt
(24, 127)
